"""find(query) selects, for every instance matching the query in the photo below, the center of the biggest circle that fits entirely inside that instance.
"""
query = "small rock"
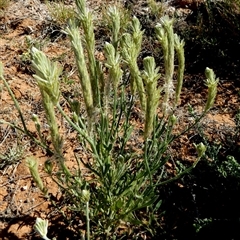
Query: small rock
(24, 188)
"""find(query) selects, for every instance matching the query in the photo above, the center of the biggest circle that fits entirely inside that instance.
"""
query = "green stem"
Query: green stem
(49, 151)
(181, 174)
(188, 128)
(16, 104)
(24, 130)
(147, 165)
(79, 130)
(88, 221)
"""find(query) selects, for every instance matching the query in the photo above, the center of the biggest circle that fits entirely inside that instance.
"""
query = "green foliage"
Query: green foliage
(32, 164)
(201, 223)
(12, 155)
(41, 226)
(229, 168)
(60, 12)
(214, 28)
(222, 165)
(125, 165)
(116, 20)
(157, 7)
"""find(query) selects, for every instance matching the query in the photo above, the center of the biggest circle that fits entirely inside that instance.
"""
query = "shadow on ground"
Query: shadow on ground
(206, 207)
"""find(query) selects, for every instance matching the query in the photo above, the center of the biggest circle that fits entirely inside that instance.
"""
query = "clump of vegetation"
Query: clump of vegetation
(157, 7)
(125, 164)
(60, 12)
(4, 3)
(211, 36)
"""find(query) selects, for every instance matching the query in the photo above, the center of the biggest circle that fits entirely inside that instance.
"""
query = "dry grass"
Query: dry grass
(4, 4)
(60, 12)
